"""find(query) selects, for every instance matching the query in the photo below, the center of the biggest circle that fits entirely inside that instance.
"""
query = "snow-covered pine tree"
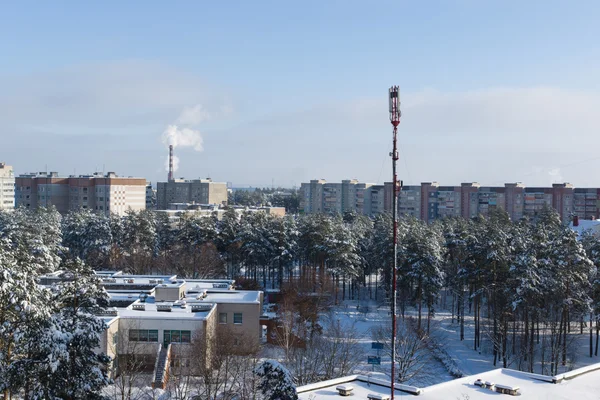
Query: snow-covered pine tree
(88, 236)
(275, 383)
(24, 314)
(75, 369)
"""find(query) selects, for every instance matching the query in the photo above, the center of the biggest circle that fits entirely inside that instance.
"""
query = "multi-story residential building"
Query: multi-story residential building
(150, 197)
(430, 201)
(104, 194)
(201, 191)
(7, 187)
(349, 195)
(409, 201)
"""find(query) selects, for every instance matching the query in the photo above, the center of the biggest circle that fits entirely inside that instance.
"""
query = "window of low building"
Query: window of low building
(143, 335)
(237, 318)
(223, 318)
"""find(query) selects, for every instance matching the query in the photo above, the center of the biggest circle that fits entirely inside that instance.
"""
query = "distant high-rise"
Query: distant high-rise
(429, 201)
(7, 187)
(199, 191)
(350, 195)
(104, 194)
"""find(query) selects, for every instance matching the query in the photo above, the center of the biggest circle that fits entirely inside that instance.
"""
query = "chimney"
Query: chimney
(575, 220)
(170, 163)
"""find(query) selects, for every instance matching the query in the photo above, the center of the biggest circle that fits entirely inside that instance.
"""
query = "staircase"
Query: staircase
(161, 367)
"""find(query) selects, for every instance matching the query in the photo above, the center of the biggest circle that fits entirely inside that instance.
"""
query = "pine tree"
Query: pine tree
(276, 382)
(75, 369)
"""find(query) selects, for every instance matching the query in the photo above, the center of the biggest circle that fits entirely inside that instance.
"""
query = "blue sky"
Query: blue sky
(492, 91)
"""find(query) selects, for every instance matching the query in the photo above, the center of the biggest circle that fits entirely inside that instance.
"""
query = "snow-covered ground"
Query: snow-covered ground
(365, 323)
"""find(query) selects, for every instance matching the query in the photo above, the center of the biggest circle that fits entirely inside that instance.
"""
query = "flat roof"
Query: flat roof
(233, 296)
(581, 383)
(151, 307)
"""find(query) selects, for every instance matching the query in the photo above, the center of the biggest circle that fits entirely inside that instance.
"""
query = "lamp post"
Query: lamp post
(394, 98)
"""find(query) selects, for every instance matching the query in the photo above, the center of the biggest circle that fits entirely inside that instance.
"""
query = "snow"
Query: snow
(233, 296)
(583, 384)
(586, 225)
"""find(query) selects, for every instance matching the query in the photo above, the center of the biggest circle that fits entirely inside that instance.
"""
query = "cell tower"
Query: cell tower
(394, 98)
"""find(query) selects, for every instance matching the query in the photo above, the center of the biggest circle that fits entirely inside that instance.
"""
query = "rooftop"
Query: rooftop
(578, 384)
(150, 309)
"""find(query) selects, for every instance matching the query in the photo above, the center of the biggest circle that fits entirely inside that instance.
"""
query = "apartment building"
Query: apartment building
(409, 201)
(430, 201)
(150, 197)
(7, 187)
(200, 191)
(101, 193)
(350, 195)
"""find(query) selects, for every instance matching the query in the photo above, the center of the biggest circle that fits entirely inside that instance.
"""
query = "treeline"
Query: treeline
(526, 285)
(288, 198)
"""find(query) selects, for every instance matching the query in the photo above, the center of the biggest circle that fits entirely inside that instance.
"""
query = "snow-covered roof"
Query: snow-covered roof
(233, 296)
(177, 310)
(586, 225)
(578, 384)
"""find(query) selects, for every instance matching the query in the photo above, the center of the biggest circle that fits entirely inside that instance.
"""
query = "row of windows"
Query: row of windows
(143, 335)
(177, 336)
(237, 318)
(151, 335)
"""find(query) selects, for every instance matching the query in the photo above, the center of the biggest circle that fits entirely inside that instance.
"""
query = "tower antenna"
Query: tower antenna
(394, 98)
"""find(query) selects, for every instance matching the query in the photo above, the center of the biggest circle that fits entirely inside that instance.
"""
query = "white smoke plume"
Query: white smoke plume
(175, 163)
(183, 137)
(182, 133)
(193, 115)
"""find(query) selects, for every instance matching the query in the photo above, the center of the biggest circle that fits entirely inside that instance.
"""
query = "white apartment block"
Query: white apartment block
(103, 194)
(200, 191)
(7, 187)
(320, 196)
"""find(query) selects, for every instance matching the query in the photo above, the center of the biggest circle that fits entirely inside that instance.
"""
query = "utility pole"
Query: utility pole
(395, 120)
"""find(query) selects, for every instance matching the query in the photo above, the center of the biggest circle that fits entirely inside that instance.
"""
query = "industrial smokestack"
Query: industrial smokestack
(170, 163)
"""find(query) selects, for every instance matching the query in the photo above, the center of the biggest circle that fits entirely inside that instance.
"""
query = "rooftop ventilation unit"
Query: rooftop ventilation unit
(344, 390)
(127, 280)
(201, 307)
(139, 307)
(154, 281)
(512, 390)
(164, 307)
(109, 312)
(109, 280)
(220, 286)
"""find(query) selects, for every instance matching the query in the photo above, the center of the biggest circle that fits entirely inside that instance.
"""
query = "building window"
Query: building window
(223, 318)
(115, 339)
(177, 337)
(237, 318)
(143, 335)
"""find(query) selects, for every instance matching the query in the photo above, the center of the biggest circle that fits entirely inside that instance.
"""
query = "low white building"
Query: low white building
(150, 314)
(581, 383)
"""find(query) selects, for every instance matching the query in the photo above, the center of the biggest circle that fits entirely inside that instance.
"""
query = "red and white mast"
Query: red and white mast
(394, 98)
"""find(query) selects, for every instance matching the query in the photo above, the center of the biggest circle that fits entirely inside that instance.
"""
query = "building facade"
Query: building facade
(199, 191)
(320, 196)
(429, 201)
(150, 197)
(104, 194)
(7, 187)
